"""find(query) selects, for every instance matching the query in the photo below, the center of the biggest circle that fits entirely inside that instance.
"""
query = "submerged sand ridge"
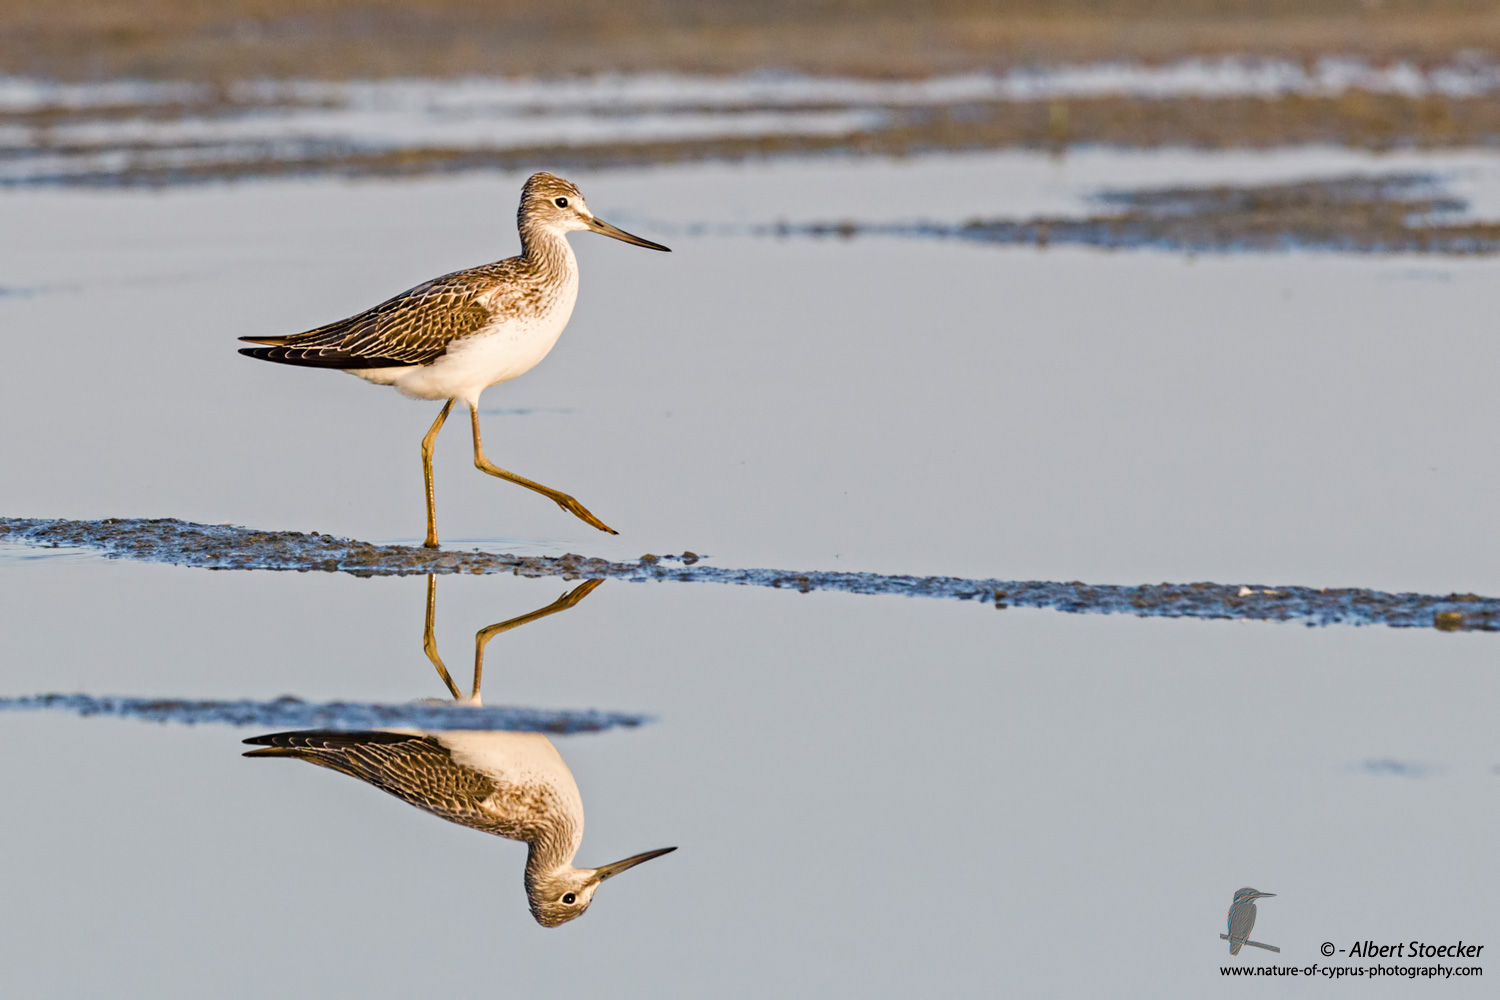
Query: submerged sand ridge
(1384, 214)
(294, 713)
(227, 547)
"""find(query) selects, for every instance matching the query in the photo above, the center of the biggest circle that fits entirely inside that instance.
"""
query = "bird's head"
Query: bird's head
(549, 202)
(565, 893)
(1248, 895)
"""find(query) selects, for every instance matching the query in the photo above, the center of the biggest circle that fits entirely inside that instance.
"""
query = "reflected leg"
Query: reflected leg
(484, 635)
(429, 640)
(564, 501)
(427, 442)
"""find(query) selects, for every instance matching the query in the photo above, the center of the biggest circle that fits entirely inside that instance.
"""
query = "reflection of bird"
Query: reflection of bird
(513, 785)
(1242, 917)
(453, 337)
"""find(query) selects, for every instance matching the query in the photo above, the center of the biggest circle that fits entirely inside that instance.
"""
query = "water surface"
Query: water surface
(891, 407)
(889, 796)
(960, 785)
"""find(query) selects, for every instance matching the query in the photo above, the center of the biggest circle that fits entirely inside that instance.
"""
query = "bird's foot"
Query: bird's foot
(581, 512)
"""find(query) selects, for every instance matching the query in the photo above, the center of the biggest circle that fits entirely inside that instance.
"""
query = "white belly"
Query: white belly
(495, 354)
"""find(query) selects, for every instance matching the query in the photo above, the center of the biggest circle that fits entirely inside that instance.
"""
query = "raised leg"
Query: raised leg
(483, 464)
(427, 442)
(429, 639)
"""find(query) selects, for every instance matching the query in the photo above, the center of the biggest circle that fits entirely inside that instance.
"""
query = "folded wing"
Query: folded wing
(414, 767)
(414, 328)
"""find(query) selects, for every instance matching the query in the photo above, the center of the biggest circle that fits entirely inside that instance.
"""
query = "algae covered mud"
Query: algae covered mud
(349, 39)
(290, 712)
(227, 547)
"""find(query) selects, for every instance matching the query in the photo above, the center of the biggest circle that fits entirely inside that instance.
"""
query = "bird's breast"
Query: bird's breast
(511, 344)
(533, 787)
(523, 330)
(515, 346)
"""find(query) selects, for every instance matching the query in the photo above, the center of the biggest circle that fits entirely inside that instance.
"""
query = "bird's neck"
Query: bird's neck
(551, 848)
(552, 844)
(547, 250)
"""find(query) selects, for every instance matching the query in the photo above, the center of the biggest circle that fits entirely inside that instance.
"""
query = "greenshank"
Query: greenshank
(455, 336)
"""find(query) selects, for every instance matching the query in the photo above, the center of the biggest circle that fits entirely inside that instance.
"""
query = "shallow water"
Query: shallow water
(956, 785)
(893, 407)
(885, 795)
(122, 131)
(1227, 76)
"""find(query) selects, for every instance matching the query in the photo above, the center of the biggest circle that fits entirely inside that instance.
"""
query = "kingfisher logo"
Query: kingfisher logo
(1242, 914)
(1242, 921)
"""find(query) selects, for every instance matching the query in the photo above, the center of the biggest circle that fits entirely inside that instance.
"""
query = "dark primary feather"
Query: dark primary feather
(415, 768)
(414, 328)
(317, 358)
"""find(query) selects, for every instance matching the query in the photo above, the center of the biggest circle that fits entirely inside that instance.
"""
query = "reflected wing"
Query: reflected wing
(415, 768)
(414, 328)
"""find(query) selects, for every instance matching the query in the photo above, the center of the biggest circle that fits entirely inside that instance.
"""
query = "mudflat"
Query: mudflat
(337, 39)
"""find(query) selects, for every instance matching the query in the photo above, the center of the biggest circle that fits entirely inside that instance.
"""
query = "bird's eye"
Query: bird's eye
(569, 897)
(560, 202)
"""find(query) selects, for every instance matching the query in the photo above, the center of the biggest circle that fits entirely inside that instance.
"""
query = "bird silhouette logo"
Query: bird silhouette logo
(1242, 920)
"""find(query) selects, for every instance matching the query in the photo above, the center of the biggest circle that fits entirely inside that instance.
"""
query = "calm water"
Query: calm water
(869, 794)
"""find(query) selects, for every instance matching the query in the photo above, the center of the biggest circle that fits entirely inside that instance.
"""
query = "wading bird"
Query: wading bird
(455, 336)
(513, 785)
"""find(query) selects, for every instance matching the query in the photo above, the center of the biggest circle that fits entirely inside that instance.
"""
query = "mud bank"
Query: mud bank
(174, 39)
(293, 713)
(225, 547)
(1396, 213)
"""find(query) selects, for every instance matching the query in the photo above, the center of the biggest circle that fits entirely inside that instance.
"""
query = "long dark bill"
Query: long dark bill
(604, 228)
(610, 871)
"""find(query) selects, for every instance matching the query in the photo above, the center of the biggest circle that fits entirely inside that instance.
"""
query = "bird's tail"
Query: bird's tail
(318, 745)
(1234, 946)
(299, 743)
(318, 357)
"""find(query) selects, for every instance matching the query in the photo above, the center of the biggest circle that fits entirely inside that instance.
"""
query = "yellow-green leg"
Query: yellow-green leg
(429, 639)
(483, 636)
(427, 443)
(483, 464)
